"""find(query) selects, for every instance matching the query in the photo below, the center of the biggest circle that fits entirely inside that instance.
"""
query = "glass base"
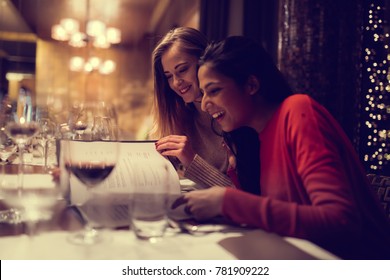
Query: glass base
(86, 237)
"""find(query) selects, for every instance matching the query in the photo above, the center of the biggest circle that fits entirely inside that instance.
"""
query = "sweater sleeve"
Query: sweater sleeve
(205, 174)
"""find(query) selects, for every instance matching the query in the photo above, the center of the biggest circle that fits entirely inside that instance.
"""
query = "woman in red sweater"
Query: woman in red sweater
(312, 185)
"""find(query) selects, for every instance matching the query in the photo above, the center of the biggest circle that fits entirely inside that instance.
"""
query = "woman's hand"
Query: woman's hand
(202, 204)
(178, 146)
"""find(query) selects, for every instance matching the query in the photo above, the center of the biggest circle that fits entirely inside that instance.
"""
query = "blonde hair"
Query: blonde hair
(170, 111)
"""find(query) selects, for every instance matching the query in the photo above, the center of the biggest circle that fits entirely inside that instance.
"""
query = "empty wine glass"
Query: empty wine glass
(45, 136)
(78, 121)
(35, 202)
(92, 159)
(22, 127)
(7, 148)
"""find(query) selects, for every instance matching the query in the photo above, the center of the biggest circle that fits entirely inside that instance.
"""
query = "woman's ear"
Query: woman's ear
(252, 84)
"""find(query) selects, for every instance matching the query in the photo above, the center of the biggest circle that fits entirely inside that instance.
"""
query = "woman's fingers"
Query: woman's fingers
(172, 138)
(178, 202)
(172, 142)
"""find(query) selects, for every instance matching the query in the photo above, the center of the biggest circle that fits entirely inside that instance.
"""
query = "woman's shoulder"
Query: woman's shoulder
(297, 99)
(299, 106)
(300, 102)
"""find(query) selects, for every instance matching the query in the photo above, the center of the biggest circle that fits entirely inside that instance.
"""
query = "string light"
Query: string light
(376, 76)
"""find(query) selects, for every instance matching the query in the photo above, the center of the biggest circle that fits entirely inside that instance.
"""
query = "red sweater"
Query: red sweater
(312, 185)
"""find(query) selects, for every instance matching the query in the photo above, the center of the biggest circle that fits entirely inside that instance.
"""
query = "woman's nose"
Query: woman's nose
(204, 103)
(177, 81)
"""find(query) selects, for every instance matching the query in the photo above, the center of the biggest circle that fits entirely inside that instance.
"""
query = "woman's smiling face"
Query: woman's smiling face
(228, 103)
(180, 69)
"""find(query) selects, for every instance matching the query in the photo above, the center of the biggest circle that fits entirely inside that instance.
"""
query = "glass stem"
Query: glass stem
(45, 154)
(31, 228)
(21, 166)
(2, 182)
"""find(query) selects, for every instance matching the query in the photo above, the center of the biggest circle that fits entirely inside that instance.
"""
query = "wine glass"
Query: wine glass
(45, 136)
(7, 146)
(7, 149)
(92, 158)
(22, 127)
(35, 202)
(78, 121)
(37, 197)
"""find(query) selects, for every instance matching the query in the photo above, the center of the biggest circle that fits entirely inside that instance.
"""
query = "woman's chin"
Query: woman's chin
(188, 99)
(227, 127)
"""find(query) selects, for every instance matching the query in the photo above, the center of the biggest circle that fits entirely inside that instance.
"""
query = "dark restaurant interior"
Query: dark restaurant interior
(336, 52)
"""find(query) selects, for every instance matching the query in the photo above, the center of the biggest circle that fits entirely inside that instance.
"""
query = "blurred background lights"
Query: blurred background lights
(376, 78)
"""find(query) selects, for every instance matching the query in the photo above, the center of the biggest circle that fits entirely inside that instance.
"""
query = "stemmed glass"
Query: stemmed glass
(7, 149)
(7, 146)
(22, 127)
(92, 158)
(47, 133)
(34, 202)
(35, 199)
(79, 121)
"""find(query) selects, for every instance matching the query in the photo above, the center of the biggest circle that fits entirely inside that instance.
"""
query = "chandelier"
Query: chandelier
(96, 32)
(79, 64)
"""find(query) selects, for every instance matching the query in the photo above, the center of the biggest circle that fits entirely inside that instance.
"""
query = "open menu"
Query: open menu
(107, 204)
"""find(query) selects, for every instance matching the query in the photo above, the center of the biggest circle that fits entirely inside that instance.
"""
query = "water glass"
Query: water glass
(149, 208)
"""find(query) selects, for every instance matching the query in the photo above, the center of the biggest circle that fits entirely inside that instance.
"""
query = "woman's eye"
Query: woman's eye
(168, 77)
(214, 91)
(182, 70)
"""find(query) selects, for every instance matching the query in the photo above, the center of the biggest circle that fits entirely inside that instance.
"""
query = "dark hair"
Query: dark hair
(244, 142)
(238, 58)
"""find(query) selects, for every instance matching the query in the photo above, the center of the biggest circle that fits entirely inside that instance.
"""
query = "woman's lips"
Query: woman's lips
(218, 115)
(184, 90)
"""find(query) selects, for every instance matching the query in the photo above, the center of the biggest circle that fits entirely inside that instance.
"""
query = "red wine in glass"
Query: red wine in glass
(89, 173)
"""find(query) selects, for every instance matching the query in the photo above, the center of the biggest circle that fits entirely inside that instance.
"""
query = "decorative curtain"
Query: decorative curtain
(214, 16)
(339, 53)
(319, 51)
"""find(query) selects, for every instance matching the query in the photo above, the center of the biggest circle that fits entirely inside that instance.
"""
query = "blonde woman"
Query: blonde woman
(183, 128)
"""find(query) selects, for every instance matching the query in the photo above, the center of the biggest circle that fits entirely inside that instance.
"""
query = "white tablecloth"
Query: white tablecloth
(122, 245)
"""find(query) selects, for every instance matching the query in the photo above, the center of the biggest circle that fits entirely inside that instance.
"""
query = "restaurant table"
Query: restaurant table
(222, 242)
(121, 244)
(226, 243)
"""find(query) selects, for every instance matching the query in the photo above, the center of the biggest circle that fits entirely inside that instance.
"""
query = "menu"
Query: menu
(139, 166)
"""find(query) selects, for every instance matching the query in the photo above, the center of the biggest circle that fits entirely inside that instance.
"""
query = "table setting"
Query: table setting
(183, 238)
(96, 197)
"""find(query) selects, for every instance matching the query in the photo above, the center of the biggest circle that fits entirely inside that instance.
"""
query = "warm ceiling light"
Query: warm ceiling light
(97, 32)
(96, 28)
(58, 33)
(70, 25)
(78, 64)
(113, 35)
(78, 40)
